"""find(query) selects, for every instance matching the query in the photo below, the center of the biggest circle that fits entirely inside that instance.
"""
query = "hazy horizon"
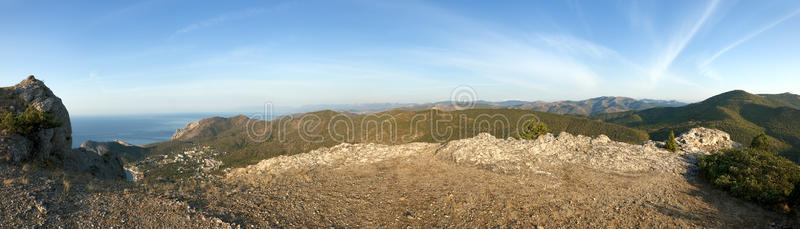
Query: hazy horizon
(147, 57)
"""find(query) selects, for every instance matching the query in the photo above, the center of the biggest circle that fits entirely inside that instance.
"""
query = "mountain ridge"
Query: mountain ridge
(230, 134)
(602, 104)
(740, 113)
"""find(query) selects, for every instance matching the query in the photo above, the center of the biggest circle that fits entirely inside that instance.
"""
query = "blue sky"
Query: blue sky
(123, 57)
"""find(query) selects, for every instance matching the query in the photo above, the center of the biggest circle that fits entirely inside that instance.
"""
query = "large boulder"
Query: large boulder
(108, 165)
(14, 147)
(52, 143)
(707, 140)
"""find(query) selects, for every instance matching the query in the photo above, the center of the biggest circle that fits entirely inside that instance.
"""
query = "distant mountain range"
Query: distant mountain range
(328, 128)
(599, 105)
(739, 113)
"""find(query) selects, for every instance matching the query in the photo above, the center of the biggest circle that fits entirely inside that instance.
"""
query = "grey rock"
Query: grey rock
(14, 147)
(545, 155)
(51, 143)
(101, 148)
(108, 165)
(705, 140)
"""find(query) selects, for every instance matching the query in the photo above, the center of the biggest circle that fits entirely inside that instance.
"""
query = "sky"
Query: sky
(167, 56)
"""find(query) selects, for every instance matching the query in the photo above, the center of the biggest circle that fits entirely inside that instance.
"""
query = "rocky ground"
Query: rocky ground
(556, 181)
(36, 197)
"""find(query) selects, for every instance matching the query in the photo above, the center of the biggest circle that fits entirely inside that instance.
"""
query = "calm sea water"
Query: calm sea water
(134, 129)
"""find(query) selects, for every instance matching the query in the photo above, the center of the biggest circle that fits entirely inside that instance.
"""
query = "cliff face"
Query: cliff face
(51, 143)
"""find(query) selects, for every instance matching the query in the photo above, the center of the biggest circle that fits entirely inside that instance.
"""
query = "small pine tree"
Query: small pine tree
(533, 130)
(671, 145)
(761, 143)
(8, 121)
(28, 121)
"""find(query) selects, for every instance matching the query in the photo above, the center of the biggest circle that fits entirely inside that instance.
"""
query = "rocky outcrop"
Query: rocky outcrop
(101, 148)
(344, 154)
(513, 155)
(698, 140)
(108, 165)
(52, 143)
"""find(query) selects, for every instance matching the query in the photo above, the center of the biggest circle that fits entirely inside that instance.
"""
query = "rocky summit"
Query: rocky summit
(49, 145)
(45, 143)
(513, 155)
(563, 179)
(704, 140)
(556, 180)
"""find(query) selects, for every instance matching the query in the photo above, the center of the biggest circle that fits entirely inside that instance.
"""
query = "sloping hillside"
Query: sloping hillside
(739, 113)
(328, 128)
(129, 152)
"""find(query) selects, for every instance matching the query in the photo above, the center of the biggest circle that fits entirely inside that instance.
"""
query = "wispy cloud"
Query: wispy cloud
(678, 43)
(518, 63)
(576, 7)
(705, 67)
(480, 48)
(235, 15)
(575, 46)
(640, 21)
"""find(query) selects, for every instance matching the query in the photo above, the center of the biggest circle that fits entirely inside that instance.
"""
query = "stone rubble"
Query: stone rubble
(705, 140)
(337, 156)
(512, 155)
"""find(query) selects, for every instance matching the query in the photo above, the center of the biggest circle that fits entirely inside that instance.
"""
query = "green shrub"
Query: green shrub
(761, 142)
(671, 145)
(533, 129)
(28, 121)
(752, 175)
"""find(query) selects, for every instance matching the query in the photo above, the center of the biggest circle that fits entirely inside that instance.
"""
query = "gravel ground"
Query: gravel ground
(556, 181)
(561, 181)
(34, 197)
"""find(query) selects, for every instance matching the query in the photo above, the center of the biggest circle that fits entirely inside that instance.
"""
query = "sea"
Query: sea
(134, 129)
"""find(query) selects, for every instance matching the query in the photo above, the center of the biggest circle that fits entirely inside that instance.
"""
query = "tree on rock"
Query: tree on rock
(671, 145)
(533, 129)
(761, 143)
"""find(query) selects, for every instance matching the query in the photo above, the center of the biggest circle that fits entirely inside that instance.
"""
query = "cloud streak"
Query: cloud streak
(678, 43)
(236, 15)
(749, 36)
(574, 46)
